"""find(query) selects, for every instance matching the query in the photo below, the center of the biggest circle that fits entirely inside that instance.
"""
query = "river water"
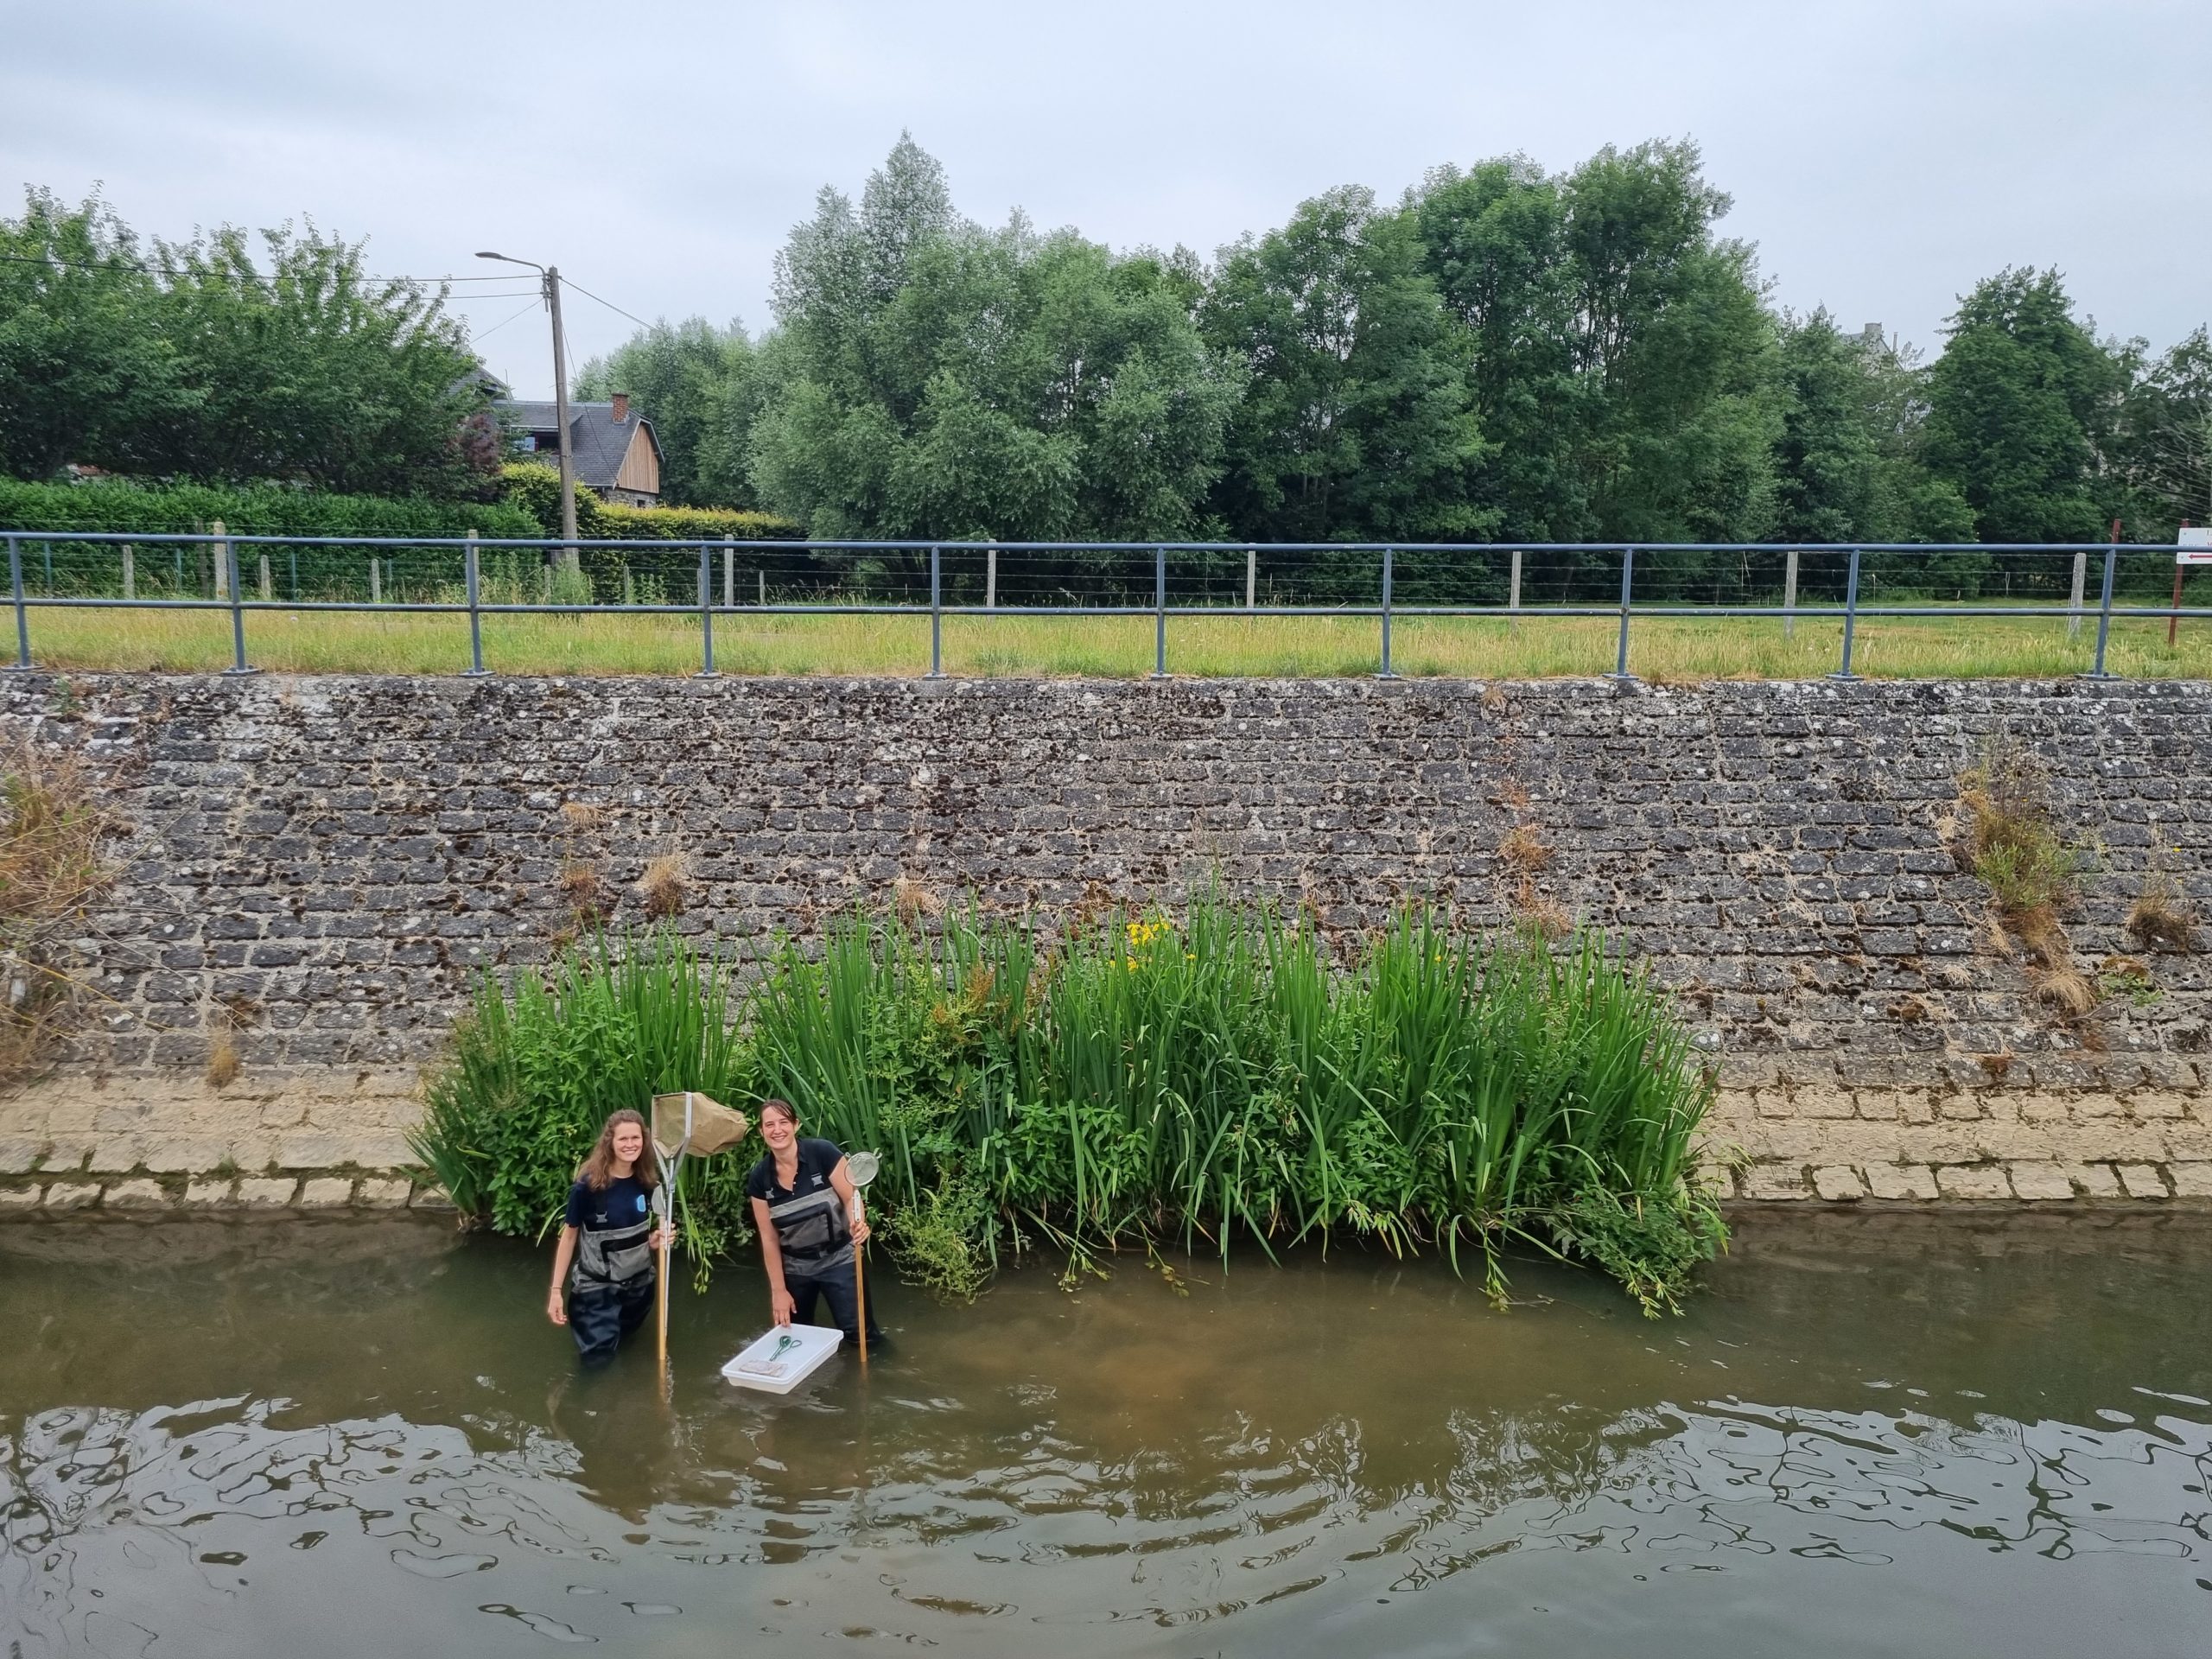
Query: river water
(1869, 1435)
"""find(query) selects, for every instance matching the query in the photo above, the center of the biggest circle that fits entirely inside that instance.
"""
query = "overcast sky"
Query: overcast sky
(1882, 157)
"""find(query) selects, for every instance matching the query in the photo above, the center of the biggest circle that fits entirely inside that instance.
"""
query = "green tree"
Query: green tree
(1623, 354)
(2165, 441)
(689, 379)
(1358, 423)
(933, 379)
(1672, 344)
(303, 368)
(85, 374)
(1849, 465)
(2022, 406)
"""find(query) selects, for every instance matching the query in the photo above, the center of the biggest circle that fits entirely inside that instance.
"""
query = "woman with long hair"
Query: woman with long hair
(808, 1213)
(608, 1236)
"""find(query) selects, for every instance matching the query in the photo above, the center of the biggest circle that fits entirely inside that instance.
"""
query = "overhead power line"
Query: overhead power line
(609, 304)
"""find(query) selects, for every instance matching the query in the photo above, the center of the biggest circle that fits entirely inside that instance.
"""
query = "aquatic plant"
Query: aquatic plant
(1143, 1081)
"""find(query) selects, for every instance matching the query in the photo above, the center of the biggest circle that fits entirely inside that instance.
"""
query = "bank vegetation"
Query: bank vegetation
(1225, 1081)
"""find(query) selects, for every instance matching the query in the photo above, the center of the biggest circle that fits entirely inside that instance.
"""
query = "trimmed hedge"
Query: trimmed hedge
(146, 510)
(536, 487)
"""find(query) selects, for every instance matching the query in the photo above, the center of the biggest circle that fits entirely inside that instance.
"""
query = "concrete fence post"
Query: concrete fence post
(22, 617)
(1789, 595)
(471, 576)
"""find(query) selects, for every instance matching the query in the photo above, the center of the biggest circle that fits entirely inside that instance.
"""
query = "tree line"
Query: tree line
(1505, 354)
(218, 361)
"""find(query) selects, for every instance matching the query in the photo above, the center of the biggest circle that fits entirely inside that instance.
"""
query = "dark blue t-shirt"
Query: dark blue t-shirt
(616, 1225)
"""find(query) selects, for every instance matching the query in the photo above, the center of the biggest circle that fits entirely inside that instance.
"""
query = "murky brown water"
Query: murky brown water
(1869, 1438)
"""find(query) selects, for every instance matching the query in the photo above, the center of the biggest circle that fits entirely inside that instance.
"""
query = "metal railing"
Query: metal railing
(1095, 579)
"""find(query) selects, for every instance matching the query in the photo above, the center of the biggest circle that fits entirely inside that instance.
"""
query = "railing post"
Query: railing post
(707, 670)
(268, 591)
(476, 669)
(230, 567)
(937, 613)
(729, 573)
(224, 573)
(22, 617)
(1789, 595)
(2104, 614)
(1387, 673)
(1850, 618)
(1159, 612)
(1513, 595)
(129, 571)
(991, 578)
(2073, 598)
(1628, 588)
(376, 580)
(1251, 577)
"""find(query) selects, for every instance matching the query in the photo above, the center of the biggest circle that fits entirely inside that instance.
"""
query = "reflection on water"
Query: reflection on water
(1870, 1437)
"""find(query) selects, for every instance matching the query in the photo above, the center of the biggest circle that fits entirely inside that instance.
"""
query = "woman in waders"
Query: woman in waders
(609, 1236)
(808, 1213)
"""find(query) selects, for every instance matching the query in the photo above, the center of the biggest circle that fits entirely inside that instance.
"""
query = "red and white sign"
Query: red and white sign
(2195, 545)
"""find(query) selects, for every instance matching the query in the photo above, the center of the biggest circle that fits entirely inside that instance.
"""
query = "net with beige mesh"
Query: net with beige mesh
(696, 1124)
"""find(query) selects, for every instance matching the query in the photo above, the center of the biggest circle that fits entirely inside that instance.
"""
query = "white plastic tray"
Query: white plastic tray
(804, 1348)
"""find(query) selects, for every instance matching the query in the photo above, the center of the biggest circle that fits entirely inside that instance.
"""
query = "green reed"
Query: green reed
(1140, 1081)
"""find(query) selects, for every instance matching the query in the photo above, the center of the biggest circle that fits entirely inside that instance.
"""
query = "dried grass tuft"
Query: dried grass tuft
(1536, 914)
(914, 900)
(664, 887)
(2161, 917)
(580, 816)
(222, 1058)
(50, 870)
(579, 886)
(1523, 850)
(2066, 990)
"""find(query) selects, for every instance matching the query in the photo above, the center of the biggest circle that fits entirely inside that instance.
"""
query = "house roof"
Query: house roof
(597, 441)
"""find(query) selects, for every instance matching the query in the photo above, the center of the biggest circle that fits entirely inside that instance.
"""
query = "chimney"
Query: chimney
(622, 407)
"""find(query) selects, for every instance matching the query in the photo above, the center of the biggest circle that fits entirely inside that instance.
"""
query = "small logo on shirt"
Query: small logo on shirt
(641, 1203)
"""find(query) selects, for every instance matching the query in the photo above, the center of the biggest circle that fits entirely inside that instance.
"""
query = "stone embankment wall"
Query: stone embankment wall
(312, 870)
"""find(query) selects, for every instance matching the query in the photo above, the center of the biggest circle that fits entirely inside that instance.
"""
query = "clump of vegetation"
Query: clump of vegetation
(663, 886)
(222, 1057)
(50, 869)
(2161, 916)
(1144, 1083)
(2015, 847)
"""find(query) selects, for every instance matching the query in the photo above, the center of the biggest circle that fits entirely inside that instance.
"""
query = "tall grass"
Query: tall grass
(1145, 1081)
(1678, 649)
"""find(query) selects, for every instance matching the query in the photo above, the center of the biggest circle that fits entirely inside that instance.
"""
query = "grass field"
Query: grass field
(1663, 648)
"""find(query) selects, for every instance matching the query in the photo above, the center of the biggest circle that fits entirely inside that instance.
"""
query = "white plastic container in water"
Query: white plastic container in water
(783, 1359)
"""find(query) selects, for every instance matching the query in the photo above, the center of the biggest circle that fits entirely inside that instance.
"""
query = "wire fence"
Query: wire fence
(2074, 585)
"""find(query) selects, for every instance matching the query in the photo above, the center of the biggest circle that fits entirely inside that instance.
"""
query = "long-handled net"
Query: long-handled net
(693, 1125)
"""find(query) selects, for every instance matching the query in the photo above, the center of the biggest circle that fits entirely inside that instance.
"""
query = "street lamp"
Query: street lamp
(550, 278)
